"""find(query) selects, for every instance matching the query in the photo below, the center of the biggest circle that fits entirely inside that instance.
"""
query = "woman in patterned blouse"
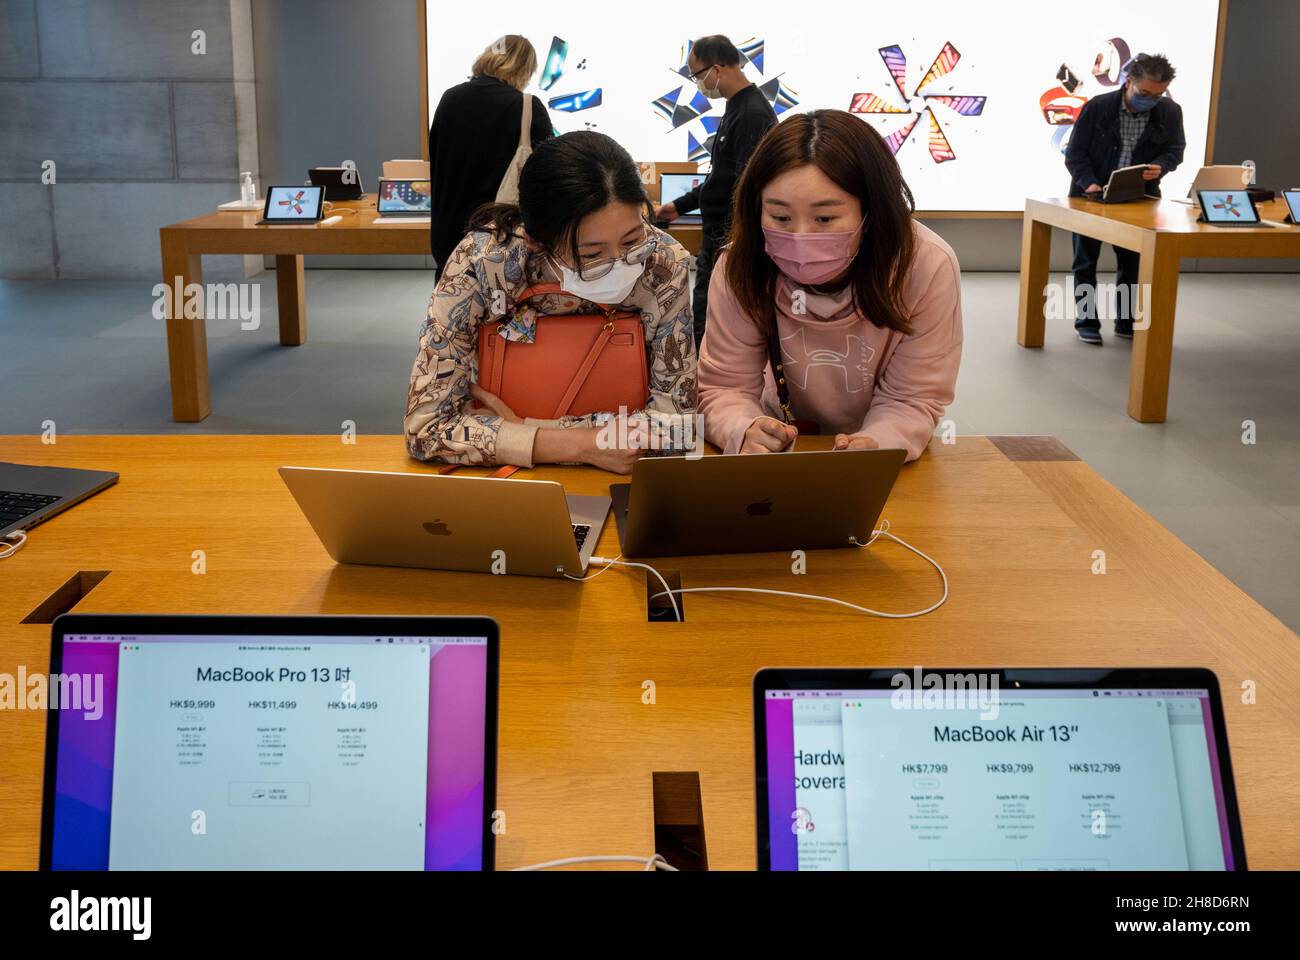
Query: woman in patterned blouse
(581, 222)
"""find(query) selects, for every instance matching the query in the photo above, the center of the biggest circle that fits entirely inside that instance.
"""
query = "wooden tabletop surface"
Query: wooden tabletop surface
(1014, 521)
(1123, 223)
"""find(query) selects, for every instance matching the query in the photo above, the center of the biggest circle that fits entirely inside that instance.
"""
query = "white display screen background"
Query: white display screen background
(825, 51)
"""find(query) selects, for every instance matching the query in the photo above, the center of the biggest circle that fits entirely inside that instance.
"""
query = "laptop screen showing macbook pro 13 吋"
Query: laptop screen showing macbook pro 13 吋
(312, 743)
(1061, 769)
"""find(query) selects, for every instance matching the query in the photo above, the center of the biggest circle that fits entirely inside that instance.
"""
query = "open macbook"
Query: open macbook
(477, 524)
(30, 494)
(673, 185)
(993, 769)
(679, 506)
(293, 206)
(1222, 176)
(271, 743)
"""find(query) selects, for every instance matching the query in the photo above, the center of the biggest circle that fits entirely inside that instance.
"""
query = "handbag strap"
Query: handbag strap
(584, 368)
(500, 473)
(496, 347)
(526, 122)
(778, 370)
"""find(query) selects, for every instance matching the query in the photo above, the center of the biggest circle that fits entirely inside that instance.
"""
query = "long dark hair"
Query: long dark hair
(566, 178)
(856, 159)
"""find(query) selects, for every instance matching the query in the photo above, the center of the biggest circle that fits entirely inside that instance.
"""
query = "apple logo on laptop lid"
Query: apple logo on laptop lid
(760, 508)
(436, 527)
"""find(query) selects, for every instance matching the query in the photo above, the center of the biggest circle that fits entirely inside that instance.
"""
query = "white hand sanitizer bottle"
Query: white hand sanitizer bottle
(247, 190)
(1249, 167)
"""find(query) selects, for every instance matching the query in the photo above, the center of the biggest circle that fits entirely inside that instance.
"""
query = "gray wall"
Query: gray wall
(142, 131)
(1261, 91)
(338, 80)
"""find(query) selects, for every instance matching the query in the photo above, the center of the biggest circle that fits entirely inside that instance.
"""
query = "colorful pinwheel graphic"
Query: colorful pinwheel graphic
(294, 201)
(920, 104)
(1230, 205)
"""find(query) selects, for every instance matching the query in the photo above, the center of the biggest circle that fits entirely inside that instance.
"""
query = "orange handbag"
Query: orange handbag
(577, 363)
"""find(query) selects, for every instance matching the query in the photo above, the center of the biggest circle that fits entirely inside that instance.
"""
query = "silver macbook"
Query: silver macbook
(678, 506)
(447, 522)
(1222, 176)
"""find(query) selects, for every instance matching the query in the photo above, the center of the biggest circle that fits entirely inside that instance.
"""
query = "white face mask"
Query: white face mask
(612, 288)
(713, 93)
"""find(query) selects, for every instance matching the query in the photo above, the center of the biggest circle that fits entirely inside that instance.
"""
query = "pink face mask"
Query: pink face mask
(811, 257)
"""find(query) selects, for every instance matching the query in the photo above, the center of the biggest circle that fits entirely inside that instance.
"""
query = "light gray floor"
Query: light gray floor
(91, 357)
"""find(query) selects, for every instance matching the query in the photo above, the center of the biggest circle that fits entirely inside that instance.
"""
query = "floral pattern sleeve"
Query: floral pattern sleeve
(439, 422)
(479, 284)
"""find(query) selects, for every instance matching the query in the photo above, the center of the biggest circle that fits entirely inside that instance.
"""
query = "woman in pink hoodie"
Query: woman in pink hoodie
(829, 282)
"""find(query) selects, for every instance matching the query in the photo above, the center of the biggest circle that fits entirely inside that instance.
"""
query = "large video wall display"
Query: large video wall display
(977, 100)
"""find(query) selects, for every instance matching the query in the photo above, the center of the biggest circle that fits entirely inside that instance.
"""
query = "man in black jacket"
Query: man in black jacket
(716, 70)
(1135, 124)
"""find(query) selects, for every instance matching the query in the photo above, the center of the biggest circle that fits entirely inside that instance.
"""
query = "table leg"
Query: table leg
(291, 299)
(187, 337)
(1153, 330)
(1035, 251)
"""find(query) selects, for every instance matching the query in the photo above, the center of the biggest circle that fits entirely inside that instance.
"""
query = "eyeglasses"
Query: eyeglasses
(639, 254)
(1139, 92)
(694, 77)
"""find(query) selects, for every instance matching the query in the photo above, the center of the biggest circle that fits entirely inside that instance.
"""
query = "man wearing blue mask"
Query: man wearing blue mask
(717, 71)
(1135, 124)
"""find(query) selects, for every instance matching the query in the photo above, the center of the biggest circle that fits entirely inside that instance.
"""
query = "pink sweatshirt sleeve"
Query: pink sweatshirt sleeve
(920, 379)
(733, 361)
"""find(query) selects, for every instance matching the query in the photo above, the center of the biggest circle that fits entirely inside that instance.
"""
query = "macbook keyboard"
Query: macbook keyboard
(580, 531)
(14, 506)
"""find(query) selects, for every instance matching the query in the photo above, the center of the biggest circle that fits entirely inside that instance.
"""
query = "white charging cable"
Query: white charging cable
(13, 546)
(619, 562)
(875, 535)
(654, 862)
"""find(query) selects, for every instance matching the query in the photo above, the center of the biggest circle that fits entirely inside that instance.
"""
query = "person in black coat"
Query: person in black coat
(1135, 124)
(474, 136)
(717, 72)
